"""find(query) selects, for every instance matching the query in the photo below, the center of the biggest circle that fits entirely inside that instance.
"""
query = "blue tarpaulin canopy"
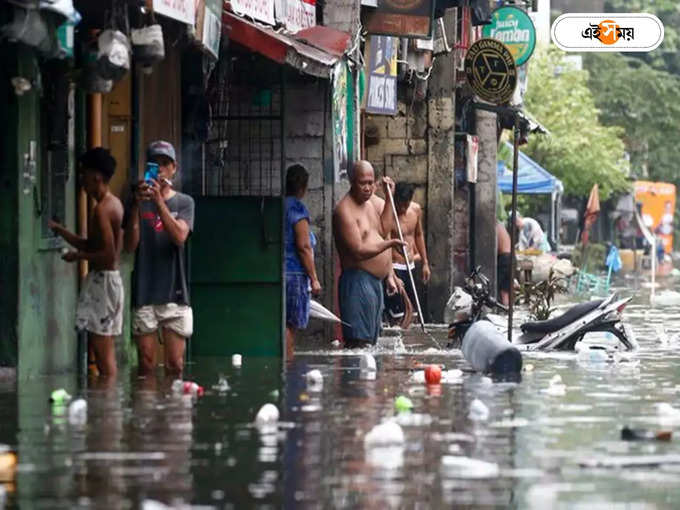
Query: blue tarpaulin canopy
(531, 177)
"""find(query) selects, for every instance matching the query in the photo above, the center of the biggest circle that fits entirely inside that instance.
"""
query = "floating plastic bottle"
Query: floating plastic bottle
(478, 411)
(77, 412)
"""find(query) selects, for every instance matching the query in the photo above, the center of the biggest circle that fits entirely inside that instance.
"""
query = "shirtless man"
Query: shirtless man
(360, 232)
(503, 262)
(410, 219)
(100, 305)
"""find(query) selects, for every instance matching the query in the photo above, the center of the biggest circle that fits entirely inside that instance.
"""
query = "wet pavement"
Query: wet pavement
(142, 445)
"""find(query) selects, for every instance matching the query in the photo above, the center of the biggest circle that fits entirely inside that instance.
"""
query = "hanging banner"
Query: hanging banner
(181, 10)
(297, 14)
(339, 110)
(658, 209)
(381, 98)
(514, 28)
(402, 18)
(261, 10)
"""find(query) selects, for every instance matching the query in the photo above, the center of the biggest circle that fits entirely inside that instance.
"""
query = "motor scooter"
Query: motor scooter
(599, 321)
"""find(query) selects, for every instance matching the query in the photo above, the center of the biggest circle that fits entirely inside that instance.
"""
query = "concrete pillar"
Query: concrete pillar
(485, 196)
(440, 180)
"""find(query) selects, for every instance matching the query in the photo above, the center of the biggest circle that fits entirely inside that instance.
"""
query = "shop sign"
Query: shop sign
(382, 75)
(514, 28)
(339, 111)
(402, 18)
(297, 14)
(261, 10)
(181, 10)
(491, 71)
(209, 25)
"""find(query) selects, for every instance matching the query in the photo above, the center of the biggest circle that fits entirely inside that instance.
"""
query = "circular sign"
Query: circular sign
(491, 71)
(514, 28)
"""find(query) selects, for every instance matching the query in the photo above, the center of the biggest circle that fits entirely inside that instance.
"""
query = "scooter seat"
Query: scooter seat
(550, 325)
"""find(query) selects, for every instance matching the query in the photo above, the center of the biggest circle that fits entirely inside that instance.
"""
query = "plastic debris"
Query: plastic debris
(60, 397)
(628, 434)
(453, 376)
(453, 466)
(177, 386)
(556, 388)
(528, 368)
(478, 411)
(403, 404)
(222, 385)
(336, 344)
(368, 362)
(191, 388)
(665, 409)
(314, 380)
(384, 434)
(417, 377)
(236, 360)
(77, 412)
(267, 415)
(433, 374)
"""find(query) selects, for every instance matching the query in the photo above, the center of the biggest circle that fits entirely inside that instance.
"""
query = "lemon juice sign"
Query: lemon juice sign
(514, 28)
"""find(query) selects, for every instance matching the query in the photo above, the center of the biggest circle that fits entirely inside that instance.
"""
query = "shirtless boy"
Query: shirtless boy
(360, 232)
(410, 219)
(100, 305)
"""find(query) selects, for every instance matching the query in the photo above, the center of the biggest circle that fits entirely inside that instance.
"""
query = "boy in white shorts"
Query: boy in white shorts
(100, 305)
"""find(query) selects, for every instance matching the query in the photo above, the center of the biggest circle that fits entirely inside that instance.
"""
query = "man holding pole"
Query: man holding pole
(361, 232)
(409, 215)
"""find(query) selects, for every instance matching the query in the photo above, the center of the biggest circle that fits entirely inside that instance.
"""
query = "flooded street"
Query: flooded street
(540, 448)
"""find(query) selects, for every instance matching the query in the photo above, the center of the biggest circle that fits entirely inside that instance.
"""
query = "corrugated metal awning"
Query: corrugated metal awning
(313, 51)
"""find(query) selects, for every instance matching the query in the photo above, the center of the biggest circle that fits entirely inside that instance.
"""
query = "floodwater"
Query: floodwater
(143, 447)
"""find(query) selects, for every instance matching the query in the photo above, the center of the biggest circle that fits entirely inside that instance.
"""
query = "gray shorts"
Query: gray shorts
(150, 318)
(100, 304)
(361, 305)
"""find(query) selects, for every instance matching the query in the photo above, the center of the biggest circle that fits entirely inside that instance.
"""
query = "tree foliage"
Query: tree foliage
(646, 102)
(580, 150)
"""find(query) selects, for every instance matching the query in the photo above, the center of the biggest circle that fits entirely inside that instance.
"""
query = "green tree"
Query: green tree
(646, 102)
(580, 150)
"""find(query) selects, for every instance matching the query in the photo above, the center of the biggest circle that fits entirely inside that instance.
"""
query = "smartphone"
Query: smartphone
(151, 172)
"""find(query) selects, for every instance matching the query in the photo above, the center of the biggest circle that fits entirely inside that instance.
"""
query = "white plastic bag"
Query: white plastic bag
(147, 44)
(113, 58)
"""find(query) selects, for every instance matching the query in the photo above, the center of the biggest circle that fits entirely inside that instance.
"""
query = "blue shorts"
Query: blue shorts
(361, 305)
(297, 300)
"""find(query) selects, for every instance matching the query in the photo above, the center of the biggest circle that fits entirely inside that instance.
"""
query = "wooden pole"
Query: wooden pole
(513, 228)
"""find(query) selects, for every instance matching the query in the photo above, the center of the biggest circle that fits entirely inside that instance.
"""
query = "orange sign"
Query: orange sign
(658, 209)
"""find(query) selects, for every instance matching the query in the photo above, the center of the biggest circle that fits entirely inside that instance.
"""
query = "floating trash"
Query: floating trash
(367, 363)
(60, 397)
(267, 415)
(528, 368)
(403, 404)
(314, 380)
(192, 388)
(236, 360)
(77, 412)
(628, 434)
(433, 374)
(336, 344)
(222, 385)
(478, 411)
(453, 466)
(417, 377)
(384, 434)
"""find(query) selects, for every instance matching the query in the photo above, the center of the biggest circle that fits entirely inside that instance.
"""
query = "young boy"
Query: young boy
(100, 305)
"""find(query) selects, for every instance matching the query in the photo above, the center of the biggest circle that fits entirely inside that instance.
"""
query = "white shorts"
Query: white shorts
(150, 318)
(100, 304)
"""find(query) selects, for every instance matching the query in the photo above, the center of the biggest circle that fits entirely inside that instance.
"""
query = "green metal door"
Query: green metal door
(236, 276)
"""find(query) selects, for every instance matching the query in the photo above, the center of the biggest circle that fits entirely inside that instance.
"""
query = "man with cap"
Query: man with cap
(157, 226)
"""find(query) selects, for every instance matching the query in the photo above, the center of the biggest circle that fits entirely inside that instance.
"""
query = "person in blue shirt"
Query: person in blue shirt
(301, 279)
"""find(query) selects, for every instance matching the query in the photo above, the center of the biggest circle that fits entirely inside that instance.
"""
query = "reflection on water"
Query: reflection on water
(143, 443)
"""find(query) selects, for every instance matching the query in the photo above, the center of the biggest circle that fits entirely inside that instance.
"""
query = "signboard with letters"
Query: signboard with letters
(514, 28)
(381, 97)
(402, 18)
(261, 10)
(491, 71)
(181, 10)
(209, 25)
(297, 14)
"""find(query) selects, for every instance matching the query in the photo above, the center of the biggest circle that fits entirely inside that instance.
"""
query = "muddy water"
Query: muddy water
(142, 444)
